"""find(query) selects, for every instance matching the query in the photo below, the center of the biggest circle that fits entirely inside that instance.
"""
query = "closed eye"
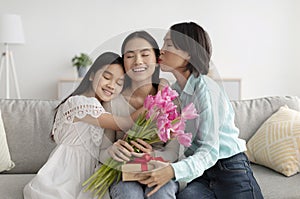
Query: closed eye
(120, 82)
(129, 56)
(107, 75)
(107, 78)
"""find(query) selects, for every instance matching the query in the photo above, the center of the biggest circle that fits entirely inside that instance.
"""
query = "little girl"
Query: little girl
(78, 130)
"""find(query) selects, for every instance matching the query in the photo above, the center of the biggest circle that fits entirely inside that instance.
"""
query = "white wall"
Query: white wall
(255, 40)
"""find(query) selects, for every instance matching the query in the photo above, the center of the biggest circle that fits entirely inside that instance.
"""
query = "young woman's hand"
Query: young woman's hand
(157, 177)
(120, 151)
(142, 146)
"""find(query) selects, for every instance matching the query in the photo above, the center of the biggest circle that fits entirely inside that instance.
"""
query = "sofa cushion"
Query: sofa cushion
(276, 144)
(28, 125)
(251, 114)
(274, 185)
(12, 185)
(5, 160)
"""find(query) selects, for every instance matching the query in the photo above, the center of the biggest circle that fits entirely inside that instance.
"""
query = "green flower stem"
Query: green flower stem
(100, 181)
(154, 141)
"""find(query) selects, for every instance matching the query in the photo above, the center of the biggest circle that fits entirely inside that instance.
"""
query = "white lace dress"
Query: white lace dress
(75, 156)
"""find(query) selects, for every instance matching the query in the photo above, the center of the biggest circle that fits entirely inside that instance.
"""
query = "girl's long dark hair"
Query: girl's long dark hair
(103, 60)
(146, 36)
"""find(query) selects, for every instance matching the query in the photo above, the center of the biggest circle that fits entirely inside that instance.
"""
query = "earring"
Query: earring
(91, 78)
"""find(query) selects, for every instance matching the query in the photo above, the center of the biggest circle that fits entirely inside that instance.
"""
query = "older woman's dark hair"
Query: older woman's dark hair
(146, 36)
(193, 39)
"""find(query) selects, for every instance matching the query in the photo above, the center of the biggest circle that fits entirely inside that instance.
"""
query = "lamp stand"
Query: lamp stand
(7, 57)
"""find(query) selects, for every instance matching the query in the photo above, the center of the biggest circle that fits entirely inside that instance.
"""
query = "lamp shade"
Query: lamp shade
(11, 29)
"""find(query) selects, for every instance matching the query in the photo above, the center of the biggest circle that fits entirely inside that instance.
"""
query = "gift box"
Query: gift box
(138, 165)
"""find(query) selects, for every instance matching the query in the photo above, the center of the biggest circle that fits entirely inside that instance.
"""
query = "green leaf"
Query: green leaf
(82, 60)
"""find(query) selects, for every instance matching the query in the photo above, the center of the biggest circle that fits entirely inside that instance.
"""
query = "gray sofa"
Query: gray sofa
(28, 125)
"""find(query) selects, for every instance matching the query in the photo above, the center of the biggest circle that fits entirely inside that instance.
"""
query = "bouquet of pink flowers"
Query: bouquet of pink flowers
(160, 122)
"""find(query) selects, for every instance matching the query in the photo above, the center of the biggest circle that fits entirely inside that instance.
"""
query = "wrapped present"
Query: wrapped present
(137, 165)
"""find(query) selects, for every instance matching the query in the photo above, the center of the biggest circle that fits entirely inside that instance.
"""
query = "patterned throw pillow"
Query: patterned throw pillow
(5, 160)
(276, 144)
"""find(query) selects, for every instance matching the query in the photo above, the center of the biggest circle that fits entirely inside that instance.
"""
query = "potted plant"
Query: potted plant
(81, 62)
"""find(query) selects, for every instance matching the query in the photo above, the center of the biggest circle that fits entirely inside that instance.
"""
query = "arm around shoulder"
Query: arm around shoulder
(162, 83)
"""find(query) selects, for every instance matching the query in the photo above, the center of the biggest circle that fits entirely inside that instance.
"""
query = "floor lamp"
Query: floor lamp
(11, 32)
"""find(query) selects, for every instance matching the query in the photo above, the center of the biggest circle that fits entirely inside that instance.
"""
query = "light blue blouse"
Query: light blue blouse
(215, 135)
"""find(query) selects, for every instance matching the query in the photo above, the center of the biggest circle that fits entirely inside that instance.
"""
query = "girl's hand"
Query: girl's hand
(142, 146)
(158, 177)
(120, 151)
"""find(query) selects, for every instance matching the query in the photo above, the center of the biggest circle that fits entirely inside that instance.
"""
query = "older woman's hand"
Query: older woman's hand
(158, 177)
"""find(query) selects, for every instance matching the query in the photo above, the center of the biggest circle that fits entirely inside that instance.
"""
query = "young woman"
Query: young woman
(215, 165)
(78, 131)
(140, 55)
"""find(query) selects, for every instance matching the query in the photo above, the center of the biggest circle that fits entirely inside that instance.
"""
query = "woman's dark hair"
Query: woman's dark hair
(104, 59)
(193, 39)
(146, 36)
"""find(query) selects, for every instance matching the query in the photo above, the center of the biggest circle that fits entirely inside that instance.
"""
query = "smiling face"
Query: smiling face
(108, 82)
(139, 60)
(172, 58)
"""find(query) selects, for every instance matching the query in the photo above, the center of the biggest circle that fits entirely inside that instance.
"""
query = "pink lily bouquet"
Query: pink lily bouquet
(160, 123)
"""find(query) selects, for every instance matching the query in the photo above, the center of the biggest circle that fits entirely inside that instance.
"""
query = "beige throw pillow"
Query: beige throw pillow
(5, 160)
(276, 144)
